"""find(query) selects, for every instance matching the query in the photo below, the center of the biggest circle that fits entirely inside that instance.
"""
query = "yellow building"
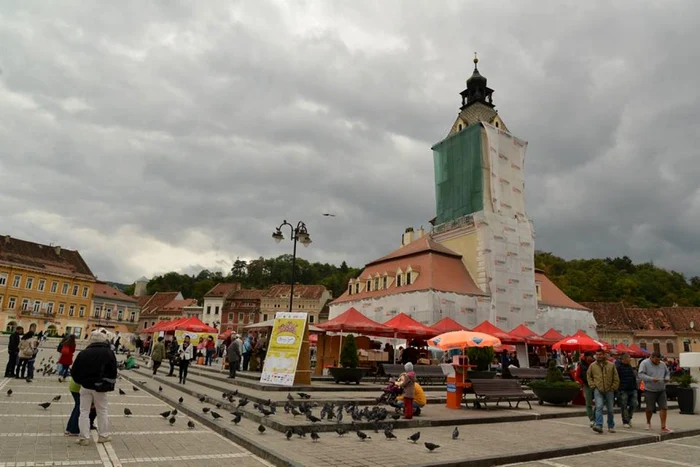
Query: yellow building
(46, 285)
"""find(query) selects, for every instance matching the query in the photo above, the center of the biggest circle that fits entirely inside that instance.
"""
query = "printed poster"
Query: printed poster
(283, 349)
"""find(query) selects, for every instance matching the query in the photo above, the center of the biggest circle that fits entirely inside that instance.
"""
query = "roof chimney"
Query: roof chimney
(57, 249)
(407, 236)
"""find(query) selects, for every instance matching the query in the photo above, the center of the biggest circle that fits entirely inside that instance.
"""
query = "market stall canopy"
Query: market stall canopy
(192, 324)
(638, 351)
(622, 348)
(162, 325)
(462, 339)
(580, 342)
(352, 320)
(270, 323)
(505, 348)
(225, 335)
(406, 327)
(447, 325)
(530, 336)
(488, 328)
(553, 335)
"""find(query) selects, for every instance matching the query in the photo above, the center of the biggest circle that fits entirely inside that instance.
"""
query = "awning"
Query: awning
(448, 325)
(580, 342)
(553, 335)
(530, 336)
(487, 328)
(353, 321)
(406, 327)
(192, 324)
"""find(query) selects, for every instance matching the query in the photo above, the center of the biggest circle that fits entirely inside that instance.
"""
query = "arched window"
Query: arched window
(669, 347)
(369, 286)
(385, 282)
(357, 287)
(408, 278)
(11, 326)
(657, 346)
(350, 289)
(643, 344)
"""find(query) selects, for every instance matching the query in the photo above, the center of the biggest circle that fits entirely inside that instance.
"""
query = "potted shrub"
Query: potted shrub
(481, 357)
(686, 393)
(553, 389)
(348, 371)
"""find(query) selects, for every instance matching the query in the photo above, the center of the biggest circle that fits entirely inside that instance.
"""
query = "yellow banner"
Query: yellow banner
(283, 349)
(194, 336)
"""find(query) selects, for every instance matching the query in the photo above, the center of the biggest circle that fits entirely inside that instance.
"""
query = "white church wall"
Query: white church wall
(565, 320)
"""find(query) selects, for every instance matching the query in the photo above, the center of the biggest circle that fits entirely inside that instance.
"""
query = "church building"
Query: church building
(477, 262)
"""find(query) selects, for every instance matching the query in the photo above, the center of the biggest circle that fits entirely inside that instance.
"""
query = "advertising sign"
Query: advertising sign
(283, 349)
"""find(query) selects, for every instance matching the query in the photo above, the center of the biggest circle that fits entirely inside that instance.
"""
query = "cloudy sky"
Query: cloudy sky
(164, 135)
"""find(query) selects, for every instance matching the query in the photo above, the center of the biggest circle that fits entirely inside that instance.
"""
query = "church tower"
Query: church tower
(480, 205)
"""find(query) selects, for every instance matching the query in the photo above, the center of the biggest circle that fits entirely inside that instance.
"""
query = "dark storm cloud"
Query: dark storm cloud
(168, 135)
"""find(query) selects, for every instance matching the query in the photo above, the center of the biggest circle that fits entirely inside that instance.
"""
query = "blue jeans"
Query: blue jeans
(30, 368)
(72, 426)
(628, 404)
(604, 399)
(209, 357)
(416, 407)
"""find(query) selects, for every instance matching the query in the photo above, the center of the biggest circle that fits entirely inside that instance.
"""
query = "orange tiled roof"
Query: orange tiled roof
(615, 316)
(102, 290)
(223, 289)
(50, 259)
(175, 307)
(143, 299)
(157, 301)
(311, 292)
(441, 269)
(552, 295)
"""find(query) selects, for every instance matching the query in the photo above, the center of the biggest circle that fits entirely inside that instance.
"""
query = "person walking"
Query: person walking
(233, 355)
(581, 376)
(72, 427)
(13, 352)
(654, 374)
(173, 347)
(67, 350)
(185, 354)
(158, 355)
(604, 380)
(209, 350)
(95, 369)
(407, 382)
(247, 350)
(627, 395)
(26, 353)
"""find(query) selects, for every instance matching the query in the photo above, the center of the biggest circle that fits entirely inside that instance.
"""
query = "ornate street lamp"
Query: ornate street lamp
(299, 234)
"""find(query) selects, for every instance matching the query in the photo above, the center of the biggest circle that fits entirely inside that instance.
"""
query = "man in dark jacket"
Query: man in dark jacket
(95, 369)
(13, 352)
(627, 396)
(581, 378)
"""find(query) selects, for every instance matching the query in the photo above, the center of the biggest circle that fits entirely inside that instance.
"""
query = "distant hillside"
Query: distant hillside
(119, 286)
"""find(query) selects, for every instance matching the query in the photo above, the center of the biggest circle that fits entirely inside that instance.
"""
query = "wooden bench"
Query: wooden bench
(389, 370)
(528, 374)
(508, 390)
(426, 373)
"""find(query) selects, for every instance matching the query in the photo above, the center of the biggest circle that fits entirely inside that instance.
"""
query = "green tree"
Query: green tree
(348, 355)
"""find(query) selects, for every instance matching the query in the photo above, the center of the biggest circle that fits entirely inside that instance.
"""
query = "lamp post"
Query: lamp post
(300, 234)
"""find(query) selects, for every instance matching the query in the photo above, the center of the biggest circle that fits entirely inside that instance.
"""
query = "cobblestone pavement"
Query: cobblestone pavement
(32, 436)
(679, 452)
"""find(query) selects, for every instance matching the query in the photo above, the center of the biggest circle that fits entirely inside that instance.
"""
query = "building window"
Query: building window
(241, 317)
(71, 310)
(349, 289)
(669, 347)
(538, 291)
(385, 281)
(29, 283)
(626, 342)
(54, 287)
(37, 306)
(357, 287)
(25, 304)
(120, 314)
(264, 317)
(408, 278)
(230, 317)
(398, 280)
(657, 346)
(311, 319)
(145, 324)
(369, 286)
(86, 291)
(76, 289)
(216, 310)
(376, 284)
(16, 281)
(108, 313)
(81, 312)
(3, 279)
(49, 308)
(64, 289)
(97, 312)
(251, 318)
(61, 308)
(11, 303)
(42, 285)
(643, 344)
(132, 316)
(208, 309)
(613, 342)
(686, 346)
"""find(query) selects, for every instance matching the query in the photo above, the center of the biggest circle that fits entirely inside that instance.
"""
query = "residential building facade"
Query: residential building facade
(241, 308)
(44, 284)
(307, 299)
(151, 306)
(113, 309)
(213, 303)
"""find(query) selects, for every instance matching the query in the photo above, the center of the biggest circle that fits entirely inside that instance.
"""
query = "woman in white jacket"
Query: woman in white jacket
(185, 353)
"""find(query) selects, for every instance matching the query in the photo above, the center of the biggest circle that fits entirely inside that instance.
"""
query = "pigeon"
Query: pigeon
(314, 436)
(395, 416)
(135, 388)
(160, 388)
(205, 409)
(215, 415)
(303, 395)
(313, 419)
(181, 400)
(290, 397)
(237, 419)
(341, 431)
(121, 392)
(261, 429)
(57, 398)
(455, 433)
(363, 436)
(45, 405)
(266, 412)
(295, 412)
(389, 434)
(299, 432)
(288, 434)
(431, 447)
(127, 411)
(218, 405)
(415, 437)
(9, 392)
(172, 420)
(190, 425)
(202, 398)
(165, 414)
(174, 412)
(243, 402)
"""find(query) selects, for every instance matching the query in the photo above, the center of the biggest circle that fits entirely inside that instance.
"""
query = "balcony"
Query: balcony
(38, 314)
(101, 319)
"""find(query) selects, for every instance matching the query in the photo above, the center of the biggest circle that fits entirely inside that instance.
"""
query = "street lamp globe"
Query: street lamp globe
(278, 236)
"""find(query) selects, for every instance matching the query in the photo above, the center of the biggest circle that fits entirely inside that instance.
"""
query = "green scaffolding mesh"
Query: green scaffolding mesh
(459, 188)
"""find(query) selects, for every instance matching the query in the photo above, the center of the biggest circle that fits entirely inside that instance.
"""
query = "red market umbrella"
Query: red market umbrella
(638, 351)
(582, 343)
(352, 320)
(488, 328)
(160, 326)
(406, 327)
(553, 335)
(530, 336)
(192, 324)
(447, 325)
(504, 348)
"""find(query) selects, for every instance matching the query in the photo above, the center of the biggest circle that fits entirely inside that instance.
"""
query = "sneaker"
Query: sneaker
(83, 442)
(627, 425)
(592, 424)
(648, 427)
(666, 430)
(611, 430)
(68, 433)
(104, 439)
(597, 429)
(60, 380)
